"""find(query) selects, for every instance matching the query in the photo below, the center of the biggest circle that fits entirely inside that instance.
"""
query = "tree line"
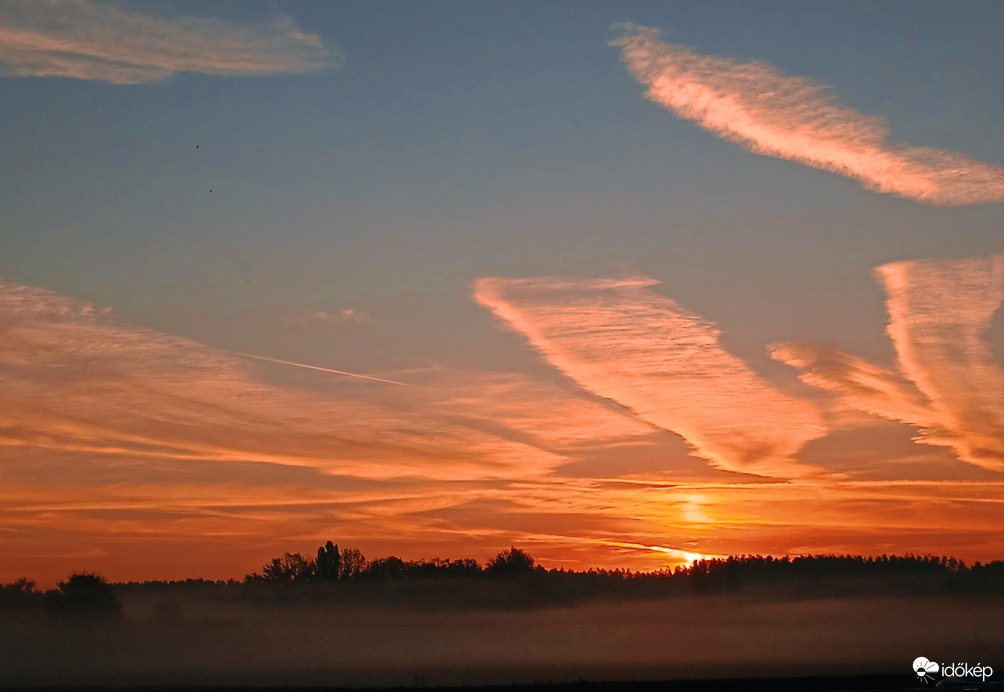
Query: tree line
(83, 593)
(830, 575)
(349, 564)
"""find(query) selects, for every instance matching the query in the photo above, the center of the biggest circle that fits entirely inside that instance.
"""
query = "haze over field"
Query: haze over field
(376, 645)
(626, 284)
(342, 620)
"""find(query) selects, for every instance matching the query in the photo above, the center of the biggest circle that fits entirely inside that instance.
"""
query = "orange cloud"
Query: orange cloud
(82, 39)
(768, 113)
(622, 341)
(649, 524)
(541, 414)
(143, 455)
(949, 384)
(74, 380)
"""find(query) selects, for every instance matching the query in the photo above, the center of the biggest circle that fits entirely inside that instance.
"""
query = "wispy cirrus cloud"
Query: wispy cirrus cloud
(113, 436)
(87, 39)
(772, 114)
(948, 383)
(144, 455)
(74, 380)
(622, 341)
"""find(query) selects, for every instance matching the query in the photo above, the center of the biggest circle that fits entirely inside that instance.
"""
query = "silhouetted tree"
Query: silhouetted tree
(438, 567)
(85, 593)
(328, 562)
(390, 568)
(19, 594)
(352, 564)
(512, 561)
(288, 568)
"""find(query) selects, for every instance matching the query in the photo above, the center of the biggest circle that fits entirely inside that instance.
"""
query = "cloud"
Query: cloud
(865, 386)
(144, 455)
(75, 381)
(86, 39)
(948, 383)
(585, 523)
(324, 318)
(768, 113)
(622, 341)
(543, 414)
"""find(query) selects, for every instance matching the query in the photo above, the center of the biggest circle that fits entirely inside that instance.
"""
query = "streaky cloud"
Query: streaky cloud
(622, 341)
(865, 386)
(75, 381)
(84, 39)
(541, 414)
(754, 105)
(949, 385)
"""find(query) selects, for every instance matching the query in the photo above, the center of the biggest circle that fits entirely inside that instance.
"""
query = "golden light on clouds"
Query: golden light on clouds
(147, 455)
(622, 341)
(84, 39)
(473, 288)
(754, 105)
(948, 383)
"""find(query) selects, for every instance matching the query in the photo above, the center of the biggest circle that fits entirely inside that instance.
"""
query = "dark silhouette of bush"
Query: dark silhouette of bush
(511, 562)
(19, 594)
(988, 577)
(438, 567)
(291, 567)
(352, 564)
(388, 569)
(86, 594)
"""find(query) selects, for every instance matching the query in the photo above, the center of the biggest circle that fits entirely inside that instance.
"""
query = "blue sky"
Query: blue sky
(338, 212)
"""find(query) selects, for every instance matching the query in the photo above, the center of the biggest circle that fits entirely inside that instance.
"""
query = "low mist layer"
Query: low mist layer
(190, 640)
(741, 617)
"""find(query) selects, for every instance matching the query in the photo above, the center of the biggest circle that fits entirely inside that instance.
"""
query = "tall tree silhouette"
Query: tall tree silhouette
(328, 562)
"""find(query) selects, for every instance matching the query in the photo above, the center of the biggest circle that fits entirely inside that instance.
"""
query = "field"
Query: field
(384, 635)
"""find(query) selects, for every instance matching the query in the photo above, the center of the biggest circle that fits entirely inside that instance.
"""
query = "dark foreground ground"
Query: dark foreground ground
(198, 640)
(873, 683)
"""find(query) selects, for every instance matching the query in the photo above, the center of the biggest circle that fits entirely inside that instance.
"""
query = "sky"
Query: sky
(621, 284)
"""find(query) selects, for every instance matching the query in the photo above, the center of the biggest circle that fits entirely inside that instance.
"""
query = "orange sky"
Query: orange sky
(621, 285)
(145, 456)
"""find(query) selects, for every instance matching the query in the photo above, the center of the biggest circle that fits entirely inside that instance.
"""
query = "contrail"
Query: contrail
(314, 367)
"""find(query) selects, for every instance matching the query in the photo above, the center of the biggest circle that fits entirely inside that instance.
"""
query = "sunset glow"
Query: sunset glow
(435, 280)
